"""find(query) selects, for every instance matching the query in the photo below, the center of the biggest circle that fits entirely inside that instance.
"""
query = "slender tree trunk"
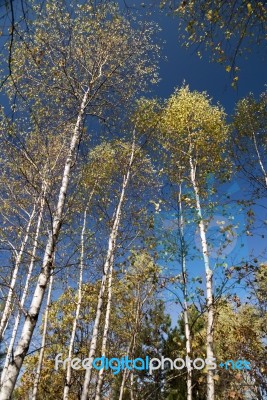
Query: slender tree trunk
(111, 248)
(41, 355)
(77, 314)
(188, 352)
(79, 302)
(32, 316)
(106, 329)
(107, 266)
(130, 350)
(257, 149)
(132, 344)
(185, 307)
(8, 303)
(208, 272)
(132, 385)
(259, 157)
(26, 288)
(124, 377)
(138, 320)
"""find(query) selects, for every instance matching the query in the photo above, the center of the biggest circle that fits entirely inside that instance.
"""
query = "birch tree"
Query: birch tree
(24, 192)
(175, 247)
(80, 284)
(61, 316)
(8, 303)
(197, 135)
(122, 329)
(19, 209)
(132, 157)
(77, 313)
(36, 177)
(70, 66)
(141, 283)
(26, 288)
(43, 343)
(185, 293)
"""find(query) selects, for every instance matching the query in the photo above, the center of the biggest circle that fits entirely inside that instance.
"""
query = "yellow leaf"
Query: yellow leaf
(249, 8)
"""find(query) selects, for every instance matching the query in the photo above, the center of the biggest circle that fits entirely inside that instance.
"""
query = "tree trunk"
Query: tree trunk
(106, 329)
(185, 307)
(32, 316)
(130, 350)
(26, 288)
(41, 355)
(107, 266)
(259, 157)
(132, 344)
(132, 385)
(138, 320)
(8, 303)
(77, 314)
(208, 272)
(257, 149)
(124, 377)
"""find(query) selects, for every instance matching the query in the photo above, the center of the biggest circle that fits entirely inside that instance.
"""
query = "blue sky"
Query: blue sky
(200, 74)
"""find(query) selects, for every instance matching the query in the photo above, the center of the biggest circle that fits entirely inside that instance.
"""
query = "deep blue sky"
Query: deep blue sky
(200, 74)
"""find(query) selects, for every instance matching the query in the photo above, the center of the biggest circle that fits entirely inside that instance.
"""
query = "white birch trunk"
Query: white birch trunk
(259, 157)
(32, 316)
(132, 344)
(8, 303)
(107, 266)
(132, 385)
(257, 149)
(106, 329)
(79, 302)
(185, 307)
(77, 313)
(188, 352)
(138, 317)
(208, 272)
(41, 355)
(25, 291)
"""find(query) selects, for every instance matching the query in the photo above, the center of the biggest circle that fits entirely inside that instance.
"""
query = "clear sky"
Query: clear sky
(200, 74)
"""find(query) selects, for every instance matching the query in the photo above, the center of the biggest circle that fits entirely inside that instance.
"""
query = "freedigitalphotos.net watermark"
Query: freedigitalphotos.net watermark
(116, 365)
